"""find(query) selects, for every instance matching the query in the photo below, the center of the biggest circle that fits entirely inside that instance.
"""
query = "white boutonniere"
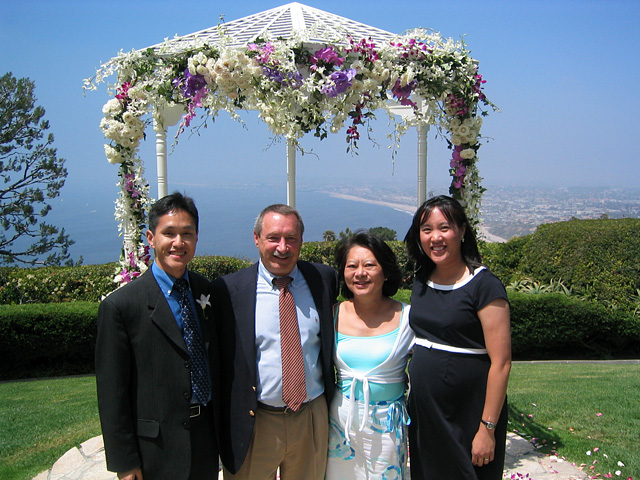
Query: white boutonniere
(204, 302)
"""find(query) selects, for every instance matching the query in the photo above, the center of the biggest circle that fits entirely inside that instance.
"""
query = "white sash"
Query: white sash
(423, 342)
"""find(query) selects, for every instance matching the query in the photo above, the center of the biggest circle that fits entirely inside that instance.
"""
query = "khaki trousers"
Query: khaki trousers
(294, 442)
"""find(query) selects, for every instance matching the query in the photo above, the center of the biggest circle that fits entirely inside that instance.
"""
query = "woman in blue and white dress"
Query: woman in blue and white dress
(368, 431)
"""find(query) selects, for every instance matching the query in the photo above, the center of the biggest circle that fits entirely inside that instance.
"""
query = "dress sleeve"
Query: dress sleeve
(489, 289)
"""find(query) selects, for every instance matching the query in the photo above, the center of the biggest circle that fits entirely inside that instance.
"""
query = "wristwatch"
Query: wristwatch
(489, 425)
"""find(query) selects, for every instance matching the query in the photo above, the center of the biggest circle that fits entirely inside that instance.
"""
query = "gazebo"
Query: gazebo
(305, 71)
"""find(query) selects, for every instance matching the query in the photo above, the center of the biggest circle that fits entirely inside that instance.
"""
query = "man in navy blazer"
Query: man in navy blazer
(152, 424)
(260, 433)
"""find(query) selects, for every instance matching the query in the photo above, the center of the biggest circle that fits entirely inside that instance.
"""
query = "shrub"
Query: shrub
(596, 257)
(213, 267)
(47, 339)
(89, 283)
(552, 325)
(56, 284)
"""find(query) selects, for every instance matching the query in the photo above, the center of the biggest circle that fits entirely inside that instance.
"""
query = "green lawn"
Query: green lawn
(40, 420)
(588, 413)
(568, 408)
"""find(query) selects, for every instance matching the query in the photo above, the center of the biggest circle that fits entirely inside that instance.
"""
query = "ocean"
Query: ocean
(227, 215)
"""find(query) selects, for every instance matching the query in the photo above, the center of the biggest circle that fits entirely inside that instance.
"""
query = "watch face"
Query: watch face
(489, 425)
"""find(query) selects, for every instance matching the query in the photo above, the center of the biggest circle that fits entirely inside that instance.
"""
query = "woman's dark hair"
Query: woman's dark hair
(455, 214)
(171, 203)
(384, 255)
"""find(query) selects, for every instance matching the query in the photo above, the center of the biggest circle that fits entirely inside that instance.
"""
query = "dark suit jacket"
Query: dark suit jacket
(234, 301)
(143, 379)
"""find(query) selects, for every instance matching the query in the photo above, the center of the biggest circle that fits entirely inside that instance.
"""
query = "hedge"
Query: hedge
(50, 339)
(59, 339)
(597, 259)
(555, 326)
(88, 283)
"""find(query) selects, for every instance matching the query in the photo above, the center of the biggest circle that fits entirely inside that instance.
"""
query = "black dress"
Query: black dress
(448, 389)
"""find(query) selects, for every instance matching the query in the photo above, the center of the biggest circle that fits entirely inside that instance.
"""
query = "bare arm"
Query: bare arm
(497, 334)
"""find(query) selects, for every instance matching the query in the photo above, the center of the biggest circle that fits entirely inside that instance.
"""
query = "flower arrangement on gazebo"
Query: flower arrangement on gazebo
(297, 87)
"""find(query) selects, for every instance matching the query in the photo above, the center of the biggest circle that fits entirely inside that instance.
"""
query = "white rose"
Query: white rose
(456, 140)
(111, 107)
(113, 156)
(468, 153)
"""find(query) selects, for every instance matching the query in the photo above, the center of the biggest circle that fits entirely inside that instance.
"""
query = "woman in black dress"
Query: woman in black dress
(462, 358)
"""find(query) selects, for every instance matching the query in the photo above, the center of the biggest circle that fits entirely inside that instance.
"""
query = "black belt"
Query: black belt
(196, 410)
(270, 408)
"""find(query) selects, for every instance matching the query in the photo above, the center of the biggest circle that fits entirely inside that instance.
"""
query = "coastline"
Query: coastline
(410, 209)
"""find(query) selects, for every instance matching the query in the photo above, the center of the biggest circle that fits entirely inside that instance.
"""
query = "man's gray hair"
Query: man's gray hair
(282, 210)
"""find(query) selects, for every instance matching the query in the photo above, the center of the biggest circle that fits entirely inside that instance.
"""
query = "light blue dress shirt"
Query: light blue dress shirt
(268, 358)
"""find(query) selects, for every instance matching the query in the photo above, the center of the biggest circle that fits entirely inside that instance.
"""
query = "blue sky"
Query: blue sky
(565, 75)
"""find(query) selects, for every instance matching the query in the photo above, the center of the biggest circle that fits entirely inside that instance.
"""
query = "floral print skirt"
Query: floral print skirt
(377, 451)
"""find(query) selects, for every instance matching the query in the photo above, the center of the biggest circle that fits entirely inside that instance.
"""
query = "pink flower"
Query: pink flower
(123, 91)
(327, 56)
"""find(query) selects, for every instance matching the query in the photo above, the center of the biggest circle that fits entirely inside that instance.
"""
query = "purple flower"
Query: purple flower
(328, 56)
(190, 84)
(273, 74)
(292, 80)
(403, 93)
(341, 82)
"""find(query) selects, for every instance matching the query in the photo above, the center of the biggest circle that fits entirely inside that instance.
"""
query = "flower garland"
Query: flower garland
(296, 90)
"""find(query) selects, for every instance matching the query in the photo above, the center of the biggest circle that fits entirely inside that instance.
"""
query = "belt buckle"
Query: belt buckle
(194, 411)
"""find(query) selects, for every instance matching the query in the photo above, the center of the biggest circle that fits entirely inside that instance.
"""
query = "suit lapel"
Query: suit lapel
(203, 305)
(243, 301)
(159, 311)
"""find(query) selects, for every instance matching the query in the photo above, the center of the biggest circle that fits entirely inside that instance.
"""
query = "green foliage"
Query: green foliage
(87, 282)
(384, 233)
(56, 284)
(31, 175)
(556, 326)
(213, 267)
(594, 259)
(503, 259)
(47, 339)
(329, 236)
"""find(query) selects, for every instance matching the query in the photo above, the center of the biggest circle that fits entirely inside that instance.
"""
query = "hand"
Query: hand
(483, 447)
(135, 474)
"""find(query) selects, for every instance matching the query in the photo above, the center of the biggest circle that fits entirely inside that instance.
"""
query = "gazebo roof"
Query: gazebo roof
(283, 22)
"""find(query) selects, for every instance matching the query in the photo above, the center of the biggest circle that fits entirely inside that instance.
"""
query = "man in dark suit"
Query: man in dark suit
(157, 392)
(262, 432)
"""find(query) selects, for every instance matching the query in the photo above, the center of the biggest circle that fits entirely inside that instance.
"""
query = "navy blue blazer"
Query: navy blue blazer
(234, 301)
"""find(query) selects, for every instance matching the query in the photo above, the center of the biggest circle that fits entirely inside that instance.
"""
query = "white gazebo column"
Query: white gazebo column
(422, 162)
(161, 159)
(291, 173)
(164, 117)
